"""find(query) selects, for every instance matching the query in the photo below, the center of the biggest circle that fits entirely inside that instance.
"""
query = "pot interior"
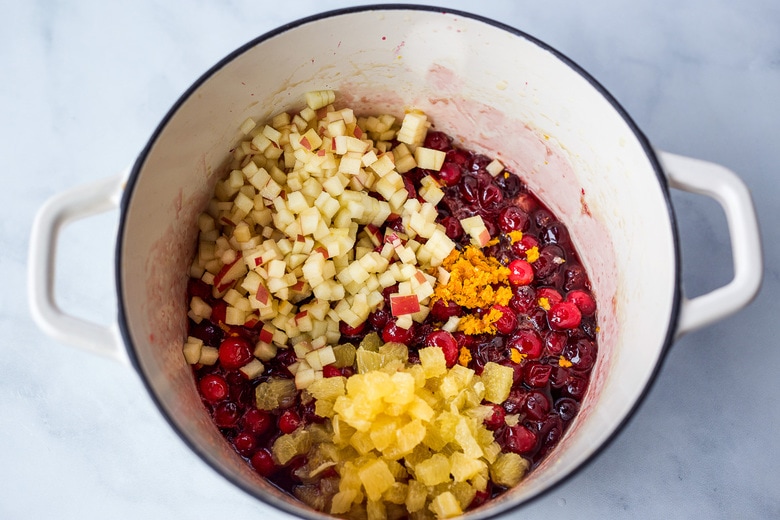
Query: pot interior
(495, 90)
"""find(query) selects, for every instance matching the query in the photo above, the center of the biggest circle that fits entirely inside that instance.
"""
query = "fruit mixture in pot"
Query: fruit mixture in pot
(381, 322)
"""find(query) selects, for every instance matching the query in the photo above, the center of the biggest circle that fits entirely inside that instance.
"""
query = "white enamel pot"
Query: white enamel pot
(496, 90)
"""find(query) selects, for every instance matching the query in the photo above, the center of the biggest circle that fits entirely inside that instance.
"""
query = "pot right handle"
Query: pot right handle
(723, 185)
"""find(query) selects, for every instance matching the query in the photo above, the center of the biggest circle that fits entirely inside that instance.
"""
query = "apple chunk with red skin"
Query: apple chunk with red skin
(404, 304)
(228, 275)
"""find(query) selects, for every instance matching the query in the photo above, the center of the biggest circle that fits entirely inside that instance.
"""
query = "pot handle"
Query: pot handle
(723, 185)
(75, 204)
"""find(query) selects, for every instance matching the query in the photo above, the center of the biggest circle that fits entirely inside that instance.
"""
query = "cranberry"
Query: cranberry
(490, 196)
(409, 186)
(520, 272)
(469, 189)
(235, 352)
(347, 371)
(558, 376)
(549, 261)
(207, 332)
(508, 320)
(437, 141)
(552, 296)
(245, 443)
(459, 156)
(575, 386)
(446, 342)
(331, 371)
(256, 421)
(213, 388)
(527, 342)
(555, 233)
(554, 342)
(574, 277)
(519, 439)
(199, 288)
(351, 332)
(543, 218)
(226, 414)
(496, 418)
(536, 405)
(581, 353)
(537, 374)
(583, 301)
(523, 299)
(479, 162)
(289, 421)
(380, 317)
(392, 332)
(550, 433)
(450, 174)
(452, 227)
(263, 462)
(480, 497)
(566, 408)
(515, 402)
(442, 311)
(510, 184)
(513, 218)
(564, 315)
(219, 311)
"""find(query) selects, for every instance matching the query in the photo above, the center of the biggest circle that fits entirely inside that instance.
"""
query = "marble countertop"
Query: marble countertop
(86, 82)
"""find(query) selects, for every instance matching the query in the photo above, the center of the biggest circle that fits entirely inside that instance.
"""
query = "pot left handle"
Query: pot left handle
(75, 204)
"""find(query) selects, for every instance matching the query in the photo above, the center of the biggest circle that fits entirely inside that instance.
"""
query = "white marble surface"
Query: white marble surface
(84, 85)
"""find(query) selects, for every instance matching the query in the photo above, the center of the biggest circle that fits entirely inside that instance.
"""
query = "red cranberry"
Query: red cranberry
(549, 261)
(490, 196)
(348, 331)
(446, 342)
(510, 185)
(575, 386)
(331, 371)
(480, 497)
(566, 408)
(452, 227)
(380, 317)
(551, 295)
(256, 421)
(207, 332)
(469, 189)
(582, 300)
(520, 272)
(543, 218)
(496, 418)
(409, 186)
(536, 405)
(519, 439)
(574, 277)
(523, 299)
(437, 141)
(226, 414)
(347, 371)
(450, 174)
(564, 315)
(213, 388)
(289, 421)
(508, 320)
(219, 311)
(235, 352)
(263, 462)
(442, 311)
(245, 443)
(479, 162)
(581, 352)
(392, 332)
(199, 288)
(558, 376)
(527, 342)
(555, 233)
(459, 156)
(515, 402)
(524, 244)
(554, 342)
(513, 218)
(537, 375)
